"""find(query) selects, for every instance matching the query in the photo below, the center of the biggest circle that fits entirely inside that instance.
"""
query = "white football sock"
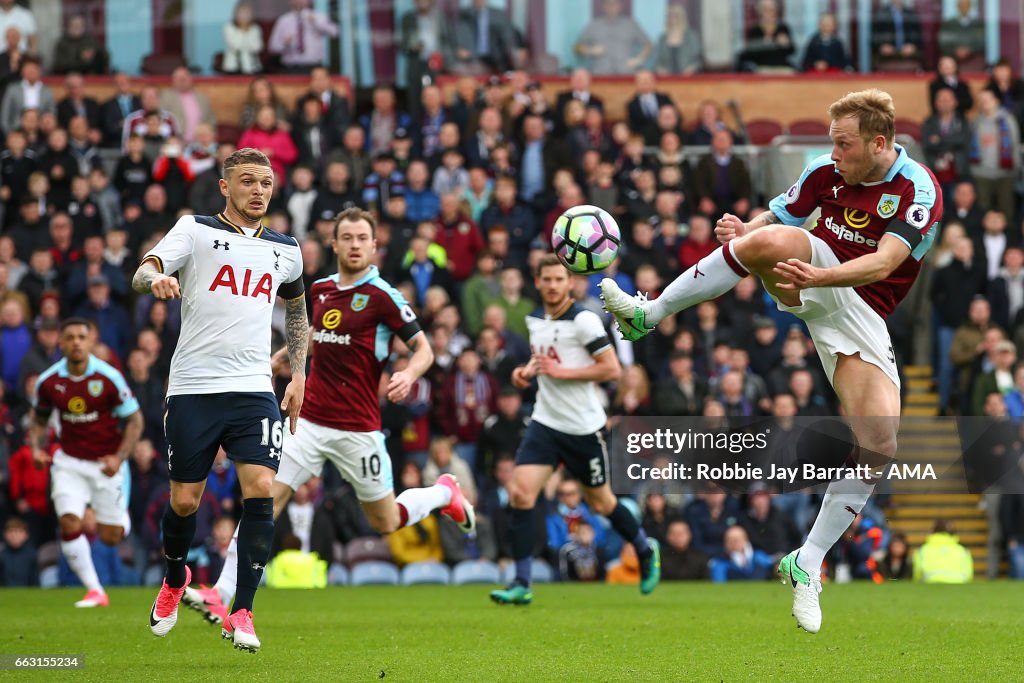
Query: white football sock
(79, 556)
(229, 574)
(418, 503)
(709, 278)
(843, 501)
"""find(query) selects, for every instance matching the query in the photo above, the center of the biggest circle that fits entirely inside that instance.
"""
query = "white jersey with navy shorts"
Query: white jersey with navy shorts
(220, 391)
(568, 421)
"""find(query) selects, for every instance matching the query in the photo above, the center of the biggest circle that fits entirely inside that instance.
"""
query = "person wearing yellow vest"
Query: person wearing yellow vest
(292, 568)
(941, 559)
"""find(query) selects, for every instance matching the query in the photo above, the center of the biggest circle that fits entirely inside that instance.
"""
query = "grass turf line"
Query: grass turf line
(897, 631)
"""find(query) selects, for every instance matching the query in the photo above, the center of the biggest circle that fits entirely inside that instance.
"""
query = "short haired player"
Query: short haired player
(91, 399)
(231, 271)
(355, 314)
(571, 352)
(879, 215)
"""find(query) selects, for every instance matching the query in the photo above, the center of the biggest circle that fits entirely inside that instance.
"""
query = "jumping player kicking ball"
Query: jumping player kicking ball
(879, 215)
(355, 312)
(232, 269)
(571, 351)
(91, 398)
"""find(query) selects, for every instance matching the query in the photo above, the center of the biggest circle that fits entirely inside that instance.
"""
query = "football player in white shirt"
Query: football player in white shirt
(230, 271)
(571, 351)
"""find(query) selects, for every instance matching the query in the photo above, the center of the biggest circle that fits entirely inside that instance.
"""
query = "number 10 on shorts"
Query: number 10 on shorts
(273, 435)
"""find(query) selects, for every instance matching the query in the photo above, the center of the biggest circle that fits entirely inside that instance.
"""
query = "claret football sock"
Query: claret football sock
(709, 278)
(255, 536)
(79, 556)
(418, 503)
(844, 499)
(178, 534)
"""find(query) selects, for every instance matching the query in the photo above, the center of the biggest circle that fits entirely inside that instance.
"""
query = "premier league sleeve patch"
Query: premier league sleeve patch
(917, 215)
(793, 193)
(887, 205)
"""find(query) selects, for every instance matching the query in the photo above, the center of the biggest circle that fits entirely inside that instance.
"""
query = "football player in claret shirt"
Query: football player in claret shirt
(91, 399)
(355, 315)
(880, 211)
(231, 270)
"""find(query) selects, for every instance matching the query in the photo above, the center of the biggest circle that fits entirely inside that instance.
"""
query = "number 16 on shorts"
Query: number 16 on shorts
(273, 436)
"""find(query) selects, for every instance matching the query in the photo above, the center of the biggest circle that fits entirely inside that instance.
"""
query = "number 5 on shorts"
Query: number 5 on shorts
(595, 471)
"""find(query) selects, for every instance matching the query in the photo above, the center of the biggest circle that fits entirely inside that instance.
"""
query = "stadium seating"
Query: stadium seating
(367, 549)
(541, 572)
(808, 127)
(337, 575)
(374, 573)
(763, 131)
(48, 554)
(426, 573)
(908, 127)
(475, 571)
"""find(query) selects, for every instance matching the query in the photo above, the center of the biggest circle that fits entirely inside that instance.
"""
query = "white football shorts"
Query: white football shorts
(77, 483)
(841, 322)
(361, 458)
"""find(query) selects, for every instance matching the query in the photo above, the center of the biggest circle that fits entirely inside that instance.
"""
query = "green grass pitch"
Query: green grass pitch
(705, 632)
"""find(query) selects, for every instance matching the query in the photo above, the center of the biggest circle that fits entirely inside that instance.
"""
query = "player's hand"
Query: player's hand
(166, 287)
(41, 458)
(797, 274)
(547, 365)
(522, 376)
(729, 227)
(111, 464)
(399, 385)
(292, 402)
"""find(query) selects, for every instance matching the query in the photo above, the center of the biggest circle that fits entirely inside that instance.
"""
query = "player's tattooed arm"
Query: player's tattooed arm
(133, 427)
(762, 220)
(149, 280)
(296, 334)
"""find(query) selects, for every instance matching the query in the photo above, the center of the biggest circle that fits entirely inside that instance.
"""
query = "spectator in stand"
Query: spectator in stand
(896, 33)
(382, 122)
(579, 90)
(30, 490)
(119, 107)
(995, 157)
(540, 159)
(679, 49)
(15, 340)
(18, 566)
(721, 181)
(91, 264)
(149, 103)
(426, 40)
(298, 37)
(769, 42)
(79, 51)
(989, 247)
(1006, 291)
(243, 42)
(998, 380)
(336, 195)
(173, 172)
(334, 105)
(968, 343)
(28, 93)
(432, 114)
(385, 181)
(962, 36)
(77, 103)
(451, 176)
(201, 155)
(709, 516)
(114, 326)
(953, 289)
(825, 51)
(740, 560)
(613, 43)
(269, 138)
(769, 530)
(459, 235)
(261, 92)
(946, 142)
(14, 15)
(188, 106)
(896, 563)
(480, 192)
(16, 164)
(488, 135)
(10, 58)
(964, 209)
(468, 397)
(647, 102)
(679, 560)
(1008, 88)
(517, 219)
(484, 41)
(947, 75)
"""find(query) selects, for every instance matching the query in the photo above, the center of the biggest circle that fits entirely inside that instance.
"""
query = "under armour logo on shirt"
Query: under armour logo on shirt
(217, 244)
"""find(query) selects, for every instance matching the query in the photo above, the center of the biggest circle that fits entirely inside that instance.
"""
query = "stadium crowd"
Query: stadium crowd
(467, 189)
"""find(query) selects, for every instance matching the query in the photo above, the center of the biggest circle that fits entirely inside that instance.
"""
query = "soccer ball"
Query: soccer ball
(586, 239)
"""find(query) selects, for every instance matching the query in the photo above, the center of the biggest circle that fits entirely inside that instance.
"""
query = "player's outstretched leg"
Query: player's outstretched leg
(519, 591)
(709, 278)
(255, 536)
(648, 551)
(77, 552)
(178, 534)
(457, 508)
